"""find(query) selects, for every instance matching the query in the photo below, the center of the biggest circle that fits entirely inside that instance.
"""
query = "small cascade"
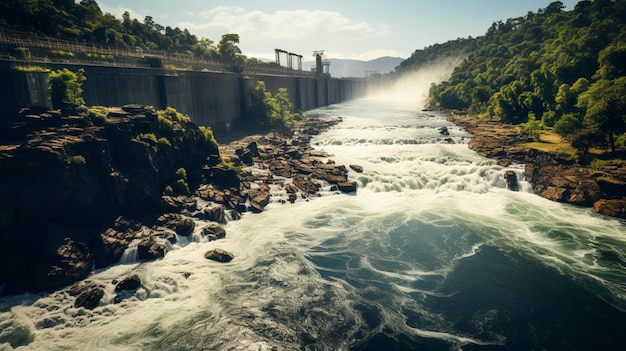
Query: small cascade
(130, 254)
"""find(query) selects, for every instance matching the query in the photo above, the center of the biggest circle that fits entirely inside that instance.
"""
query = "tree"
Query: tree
(606, 107)
(227, 47)
(270, 111)
(66, 87)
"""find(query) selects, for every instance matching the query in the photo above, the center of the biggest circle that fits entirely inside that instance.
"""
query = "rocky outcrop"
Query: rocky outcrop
(68, 174)
(276, 157)
(553, 176)
(88, 191)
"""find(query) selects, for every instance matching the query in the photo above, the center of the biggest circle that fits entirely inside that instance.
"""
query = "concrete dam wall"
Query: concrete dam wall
(209, 98)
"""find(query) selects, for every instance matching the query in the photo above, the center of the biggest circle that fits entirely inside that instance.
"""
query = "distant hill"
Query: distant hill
(356, 68)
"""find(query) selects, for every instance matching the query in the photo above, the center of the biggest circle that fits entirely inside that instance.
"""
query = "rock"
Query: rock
(247, 157)
(357, 168)
(214, 230)
(215, 214)
(219, 255)
(613, 208)
(89, 172)
(511, 180)
(130, 283)
(253, 148)
(292, 198)
(612, 186)
(234, 215)
(306, 184)
(290, 188)
(149, 249)
(444, 131)
(178, 203)
(259, 197)
(181, 225)
(347, 186)
(90, 297)
(220, 175)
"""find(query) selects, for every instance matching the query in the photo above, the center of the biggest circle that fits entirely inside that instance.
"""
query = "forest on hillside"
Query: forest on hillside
(85, 21)
(551, 69)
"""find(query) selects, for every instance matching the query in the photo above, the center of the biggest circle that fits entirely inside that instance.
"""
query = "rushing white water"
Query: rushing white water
(431, 253)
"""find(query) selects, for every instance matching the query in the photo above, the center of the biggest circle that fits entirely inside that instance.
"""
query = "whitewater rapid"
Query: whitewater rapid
(431, 252)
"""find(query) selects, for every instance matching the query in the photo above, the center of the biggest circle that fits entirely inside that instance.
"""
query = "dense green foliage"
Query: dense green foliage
(66, 87)
(67, 19)
(269, 111)
(563, 69)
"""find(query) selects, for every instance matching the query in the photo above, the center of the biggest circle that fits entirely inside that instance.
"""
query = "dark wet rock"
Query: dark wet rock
(129, 283)
(178, 203)
(347, 186)
(222, 176)
(357, 168)
(150, 249)
(89, 297)
(219, 255)
(165, 235)
(181, 225)
(246, 157)
(444, 131)
(214, 231)
(234, 215)
(511, 180)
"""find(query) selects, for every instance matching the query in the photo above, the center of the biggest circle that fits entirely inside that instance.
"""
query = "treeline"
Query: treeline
(553, 69)
(67, 19)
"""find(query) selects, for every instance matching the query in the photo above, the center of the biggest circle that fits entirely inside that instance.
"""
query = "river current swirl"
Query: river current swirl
(431, 253)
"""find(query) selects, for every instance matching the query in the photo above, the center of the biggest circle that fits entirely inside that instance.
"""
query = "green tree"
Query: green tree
(606, 107)
(228, 49)
(66, 87)
(270, 111)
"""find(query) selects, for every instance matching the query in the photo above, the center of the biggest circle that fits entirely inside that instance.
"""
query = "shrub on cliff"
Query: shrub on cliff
(269, 111)
(66, 87)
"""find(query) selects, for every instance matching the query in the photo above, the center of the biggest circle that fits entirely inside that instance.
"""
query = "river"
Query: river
(431, 253)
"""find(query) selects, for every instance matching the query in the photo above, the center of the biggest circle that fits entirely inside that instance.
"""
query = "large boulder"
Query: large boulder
(511, 180)
(613, 208)
(150, 249)
(347, 186)
(129, 283)
(183, 226)
(216, 214)
(89, 297)
(219, 255)
(213, 232)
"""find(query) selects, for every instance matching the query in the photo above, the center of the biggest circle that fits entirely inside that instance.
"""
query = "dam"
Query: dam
(211, 98)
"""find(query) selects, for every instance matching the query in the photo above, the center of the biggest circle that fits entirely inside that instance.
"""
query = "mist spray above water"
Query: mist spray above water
(411, 89)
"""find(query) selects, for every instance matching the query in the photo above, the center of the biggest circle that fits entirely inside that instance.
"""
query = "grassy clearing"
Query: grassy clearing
(553, 143)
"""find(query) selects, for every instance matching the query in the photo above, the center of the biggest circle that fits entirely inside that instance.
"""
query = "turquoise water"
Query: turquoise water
(431, 253)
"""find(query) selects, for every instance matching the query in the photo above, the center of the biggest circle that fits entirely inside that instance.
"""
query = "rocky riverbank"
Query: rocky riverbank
(553, 176)
(81, 191)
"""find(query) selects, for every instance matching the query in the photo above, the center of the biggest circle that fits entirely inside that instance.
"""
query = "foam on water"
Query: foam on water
(388, 266)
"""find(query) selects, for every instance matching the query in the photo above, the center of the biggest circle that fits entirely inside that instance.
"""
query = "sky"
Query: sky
(344, 29)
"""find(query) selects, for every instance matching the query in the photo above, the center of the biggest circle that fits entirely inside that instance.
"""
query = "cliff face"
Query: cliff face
(64, 175)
